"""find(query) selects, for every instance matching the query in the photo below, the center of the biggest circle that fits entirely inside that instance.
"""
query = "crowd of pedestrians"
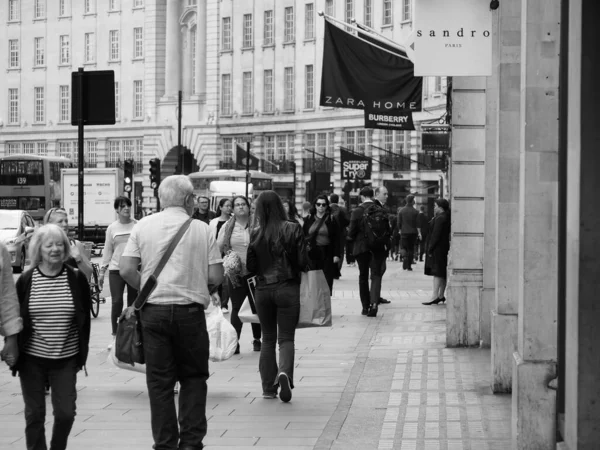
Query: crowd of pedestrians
(45, 318)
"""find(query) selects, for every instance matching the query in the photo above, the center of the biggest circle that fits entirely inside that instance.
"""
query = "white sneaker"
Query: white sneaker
(225, 310)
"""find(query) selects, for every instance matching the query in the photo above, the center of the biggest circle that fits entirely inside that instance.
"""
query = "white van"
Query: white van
(227, 189)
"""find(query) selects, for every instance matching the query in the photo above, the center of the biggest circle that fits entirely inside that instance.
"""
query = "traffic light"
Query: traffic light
(154, 173)
(128, 176)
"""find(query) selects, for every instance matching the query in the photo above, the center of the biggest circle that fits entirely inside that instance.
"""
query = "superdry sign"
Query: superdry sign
(355, 167)
(359, 74)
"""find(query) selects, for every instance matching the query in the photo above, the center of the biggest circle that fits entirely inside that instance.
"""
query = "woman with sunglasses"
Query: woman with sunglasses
(235, 236)
(323, 239)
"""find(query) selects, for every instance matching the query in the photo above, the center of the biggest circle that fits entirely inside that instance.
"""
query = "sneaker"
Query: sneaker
(285, 392)
(256, 344)
(111, 343)
(269, 395)
(225, 310)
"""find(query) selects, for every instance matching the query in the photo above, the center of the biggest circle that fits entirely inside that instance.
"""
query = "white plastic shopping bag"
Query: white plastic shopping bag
(112, 359)
(222, 335)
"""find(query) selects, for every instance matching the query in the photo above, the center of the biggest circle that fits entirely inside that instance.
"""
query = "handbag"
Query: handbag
(247, 312)
(315, 300)
(128, 342)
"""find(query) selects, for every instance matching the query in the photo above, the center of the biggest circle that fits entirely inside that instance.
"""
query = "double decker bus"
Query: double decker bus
(31, 183)
(260, 181)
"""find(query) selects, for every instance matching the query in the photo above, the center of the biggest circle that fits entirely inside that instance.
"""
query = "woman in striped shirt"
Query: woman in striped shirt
(54, 343)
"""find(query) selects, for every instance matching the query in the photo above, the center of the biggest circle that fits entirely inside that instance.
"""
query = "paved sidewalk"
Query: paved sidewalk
(365, 383)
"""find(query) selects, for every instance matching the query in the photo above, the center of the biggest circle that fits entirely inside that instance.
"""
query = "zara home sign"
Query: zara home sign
(453, 38)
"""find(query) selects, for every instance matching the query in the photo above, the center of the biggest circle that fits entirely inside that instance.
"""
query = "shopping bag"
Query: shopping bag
(315, 300)
(221, 334)
(112, 359)
(246, 315)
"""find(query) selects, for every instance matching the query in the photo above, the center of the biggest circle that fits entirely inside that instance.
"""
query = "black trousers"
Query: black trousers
(373, 263)
(324, 261)
(407, 242)
(237, 296)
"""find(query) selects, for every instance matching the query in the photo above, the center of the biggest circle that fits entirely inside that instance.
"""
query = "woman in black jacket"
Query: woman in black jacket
(438, 245)
(277, 255)
(55, 306)
(323, 239)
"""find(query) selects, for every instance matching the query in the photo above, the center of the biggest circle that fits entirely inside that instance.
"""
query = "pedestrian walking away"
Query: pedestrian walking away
(235, 237)
(55, 302)
(409, 231)
(277, 255)
(117, 235)
(176, 346)
(423, 225)
(323, 239)
(340, 214)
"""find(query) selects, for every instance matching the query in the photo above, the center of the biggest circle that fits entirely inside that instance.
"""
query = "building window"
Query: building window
(29, 148)
(226, 96)
(406, 11)
(13, 106)
(309, 99)
(248, 37)
(14, 9)
(138, 3)
(193, 45)
(226, 37)
(90, 50)
(113, 5)
(113, 155)
(268, 34)
(64, 149)
(13, 148)
(309, 21)
(39, 9)
(438, 85)
(284, 147)
(65, 49)
(289, 35)
(247, 94)
(138, 99)
(227, 150)
(117, 100)
(39, 51)
(321, 143)
(397, 142)
(268, 92)
(349, 11)
(288, 104)
(13, 53)
(89, 7)
(42, 148)
(368, 13)
(62, 8)
(138, 42)
(114, 45)
(91, 153)
(39, 107)
(329, 8)
(358, 141)
(65, 103)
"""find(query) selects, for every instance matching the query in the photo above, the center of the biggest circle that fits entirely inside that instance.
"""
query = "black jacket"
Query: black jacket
(332, 228)
(356, 232)
(423, 224)
(438, 242)
(281, 261)
(80, 290)
(407, 220)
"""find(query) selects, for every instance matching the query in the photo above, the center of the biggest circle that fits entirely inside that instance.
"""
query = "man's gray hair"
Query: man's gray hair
(174, 189)
(379, 189)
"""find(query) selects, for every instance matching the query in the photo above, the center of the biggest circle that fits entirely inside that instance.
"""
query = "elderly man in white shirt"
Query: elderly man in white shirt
(176, 345)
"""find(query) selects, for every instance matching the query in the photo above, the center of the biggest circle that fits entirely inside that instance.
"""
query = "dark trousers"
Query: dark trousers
(238, 295)
(176, 348)
(350, 258)
(422, 245)
(117, 287)
(278, 306)
(324, 262)
(407, 242)
(62, 376)
(373, 262)
(223, 291)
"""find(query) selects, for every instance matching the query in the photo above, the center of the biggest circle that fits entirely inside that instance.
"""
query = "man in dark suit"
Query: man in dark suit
(422, 225)
(409, 231)
(340, 214)
(369, 260)
(381, 196)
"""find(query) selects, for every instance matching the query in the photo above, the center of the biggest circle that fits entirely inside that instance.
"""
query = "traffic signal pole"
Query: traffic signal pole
(80, 162)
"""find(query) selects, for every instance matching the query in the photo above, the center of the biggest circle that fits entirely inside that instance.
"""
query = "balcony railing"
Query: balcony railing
(429, 162)
(137, 165)
(281, 166)
(317, 165)
(394, 163)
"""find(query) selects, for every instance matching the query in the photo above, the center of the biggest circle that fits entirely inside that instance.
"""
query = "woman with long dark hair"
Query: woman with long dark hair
(438, 246)
(292, 212)
(323, 239)
(277, 255)
(222, 215)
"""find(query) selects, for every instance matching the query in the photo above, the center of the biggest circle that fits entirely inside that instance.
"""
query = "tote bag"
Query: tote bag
(247, 313)
(315, 300)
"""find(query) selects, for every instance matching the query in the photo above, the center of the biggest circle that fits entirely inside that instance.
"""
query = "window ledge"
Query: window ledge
(405, 22)
(226, 116)
(308, 110)
(13, 22)
(268, 45)
(40, 19)
(247, 49)
(38, 124)
(90, 14)
(292, 43)
(39, 68)
(310, 40)
(268, 113)
(226, 51)
(14, 125)
(138, 8)
(115, 11)
(65, 65)
(114, 61)
(137, 59)
(13, 69)
(288, 111)
(90, 63)
(64, 17)
(137, 119)
(250, 114)
(63, 122)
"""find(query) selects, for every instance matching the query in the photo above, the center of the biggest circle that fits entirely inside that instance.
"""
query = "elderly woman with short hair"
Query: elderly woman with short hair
(55, 307)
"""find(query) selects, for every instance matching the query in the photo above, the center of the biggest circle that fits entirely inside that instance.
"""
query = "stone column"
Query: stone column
(173, 53)
(504, 314)
(413, 154)
(582, 365)
(534, 405)
(301, 177)
(187, 46)
(467, 194)
(200, 87)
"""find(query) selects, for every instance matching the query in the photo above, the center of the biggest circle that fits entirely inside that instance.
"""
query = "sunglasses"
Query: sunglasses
(320, 204)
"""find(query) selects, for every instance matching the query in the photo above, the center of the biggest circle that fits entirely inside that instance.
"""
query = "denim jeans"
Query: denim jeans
(278, 306)
(117, 286)
(176, 349)
(238, 295)
(375, 263)
(62, 375)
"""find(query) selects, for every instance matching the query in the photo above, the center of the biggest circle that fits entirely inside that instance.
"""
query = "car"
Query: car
(16, 229)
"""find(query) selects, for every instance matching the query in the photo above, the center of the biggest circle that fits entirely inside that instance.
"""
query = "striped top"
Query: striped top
(52, 312)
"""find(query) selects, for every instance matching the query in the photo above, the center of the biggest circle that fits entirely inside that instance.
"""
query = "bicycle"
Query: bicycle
(95, 291)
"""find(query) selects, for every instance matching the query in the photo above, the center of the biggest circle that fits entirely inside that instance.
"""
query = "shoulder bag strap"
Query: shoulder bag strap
(163, 261)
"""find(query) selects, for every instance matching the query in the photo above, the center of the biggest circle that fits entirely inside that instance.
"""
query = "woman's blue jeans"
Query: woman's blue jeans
(277, 306)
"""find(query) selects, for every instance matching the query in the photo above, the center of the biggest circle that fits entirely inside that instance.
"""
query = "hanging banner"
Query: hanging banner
(357, 74)
(240, 159)
(355, 167)
(389, 120)
(453, 38)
